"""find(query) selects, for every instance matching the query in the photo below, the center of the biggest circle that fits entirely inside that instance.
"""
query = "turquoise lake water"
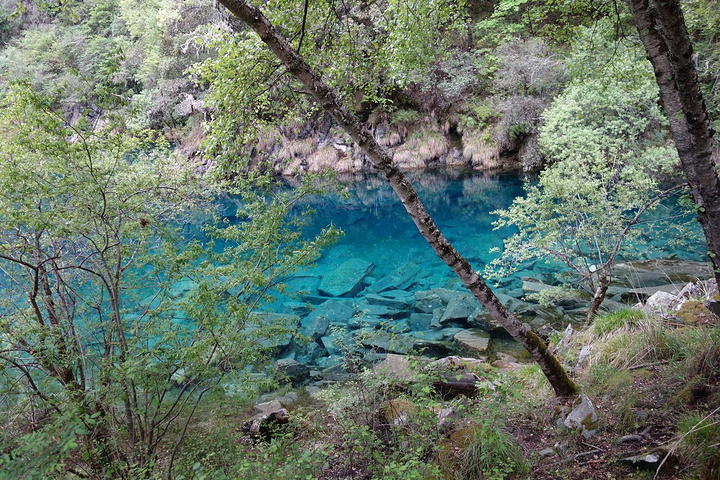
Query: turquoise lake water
(378, 229)
(404, 289)
(407, 290)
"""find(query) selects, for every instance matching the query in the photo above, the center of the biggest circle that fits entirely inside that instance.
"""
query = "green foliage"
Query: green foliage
(492, 454)
(607, 322)
(528, 74)
(698, 436)
(101, 54)
(610, 108)
(282, 457)
(404, 116)
(480, 114)
(603, 136)
(42, 453)
(703, 21)
(555, 19)
(109, 311)
(365, 52)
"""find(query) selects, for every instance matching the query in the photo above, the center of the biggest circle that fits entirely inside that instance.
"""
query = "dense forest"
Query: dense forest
(135, 337)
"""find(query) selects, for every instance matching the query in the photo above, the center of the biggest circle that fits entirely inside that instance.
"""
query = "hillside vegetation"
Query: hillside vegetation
(134, 339)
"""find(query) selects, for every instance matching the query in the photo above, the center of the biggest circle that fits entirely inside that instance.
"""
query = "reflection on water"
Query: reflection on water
(378, 229)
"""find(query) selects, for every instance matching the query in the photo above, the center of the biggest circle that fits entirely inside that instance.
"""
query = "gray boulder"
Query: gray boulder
(474, 343)
(264, 424)
(483, 320)
(295, 372)
(583, 417)
(532, 285)
(661, 301)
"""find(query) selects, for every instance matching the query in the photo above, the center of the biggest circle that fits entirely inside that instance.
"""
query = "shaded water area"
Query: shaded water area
(381, 289)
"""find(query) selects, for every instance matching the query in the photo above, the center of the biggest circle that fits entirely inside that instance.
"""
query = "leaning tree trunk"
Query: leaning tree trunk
(378, 155)
(662, 29)
(598, 297)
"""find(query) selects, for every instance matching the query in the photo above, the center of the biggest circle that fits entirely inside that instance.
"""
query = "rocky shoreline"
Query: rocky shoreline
(425, 143)
(351, 315)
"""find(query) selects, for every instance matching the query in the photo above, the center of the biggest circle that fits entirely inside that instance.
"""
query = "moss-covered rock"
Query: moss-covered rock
(693, 312)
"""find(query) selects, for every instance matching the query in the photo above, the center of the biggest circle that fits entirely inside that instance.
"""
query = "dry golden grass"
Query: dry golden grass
(266, 140)
(290, 167)
(325, 158)
(479, 152)
(422, 147)
(297, 148)
(390, 139)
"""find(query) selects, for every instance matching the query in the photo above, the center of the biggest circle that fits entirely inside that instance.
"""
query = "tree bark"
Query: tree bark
(598, 298)
(662, 29)
(380, 158)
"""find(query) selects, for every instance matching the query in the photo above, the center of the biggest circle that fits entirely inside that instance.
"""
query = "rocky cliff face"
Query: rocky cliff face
(416, 144)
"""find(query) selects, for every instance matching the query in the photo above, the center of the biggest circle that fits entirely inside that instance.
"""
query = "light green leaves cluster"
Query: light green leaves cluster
(366, 51)
(604, 141)
(112, 303)
(613, 113)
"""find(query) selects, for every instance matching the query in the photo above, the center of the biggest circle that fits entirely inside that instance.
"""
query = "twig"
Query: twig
(651, 364)
(593, 446)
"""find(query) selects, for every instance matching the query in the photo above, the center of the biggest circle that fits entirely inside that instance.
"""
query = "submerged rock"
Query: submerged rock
(369, 309)
(396, 299)
(427, 301)
(459, 308)
(420, 321)
(334, 312)
(278, 342)
(347, 280)
(382, 341)
(365, 321)
(400, 279)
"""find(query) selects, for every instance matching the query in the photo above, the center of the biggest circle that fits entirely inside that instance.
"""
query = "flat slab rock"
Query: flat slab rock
(473, 342)
(400, 279)
(347, 280)
(659, 272)
(316, 323)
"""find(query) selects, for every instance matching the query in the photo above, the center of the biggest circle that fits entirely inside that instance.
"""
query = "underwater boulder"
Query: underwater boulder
(347, 280)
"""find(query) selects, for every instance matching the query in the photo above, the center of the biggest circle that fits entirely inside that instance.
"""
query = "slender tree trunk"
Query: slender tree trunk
(598, 298)
(661, 26)
(380, 158)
